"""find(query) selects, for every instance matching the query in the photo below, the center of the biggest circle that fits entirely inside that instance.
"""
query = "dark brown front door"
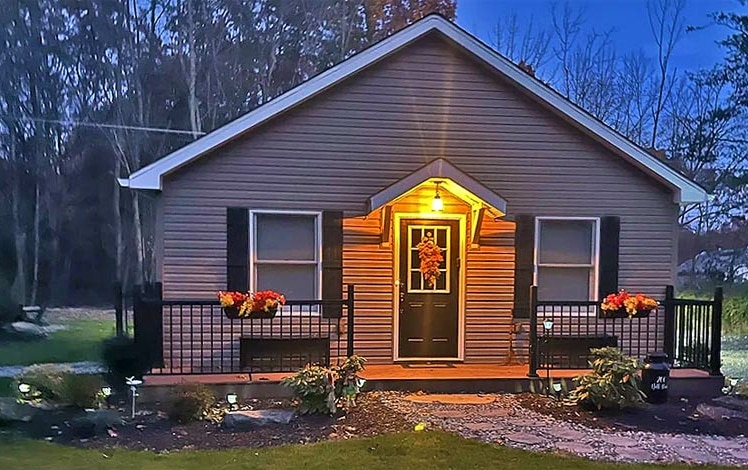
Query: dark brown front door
(429, 314)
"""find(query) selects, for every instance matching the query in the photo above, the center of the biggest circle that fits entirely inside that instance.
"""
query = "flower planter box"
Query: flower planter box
(232, 313)
(621, 313)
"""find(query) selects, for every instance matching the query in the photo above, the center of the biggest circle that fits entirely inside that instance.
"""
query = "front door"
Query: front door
(429, 302)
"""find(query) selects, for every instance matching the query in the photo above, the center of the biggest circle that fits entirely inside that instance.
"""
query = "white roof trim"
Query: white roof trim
(150, 177)
(439, 168)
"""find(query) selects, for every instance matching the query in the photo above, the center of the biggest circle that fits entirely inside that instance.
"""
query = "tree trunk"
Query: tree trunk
(139, 244)
(37, 242)
(118, 248)
(19, 283)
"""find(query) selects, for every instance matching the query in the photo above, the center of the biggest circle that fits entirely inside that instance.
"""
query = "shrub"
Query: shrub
(348, 383)
(190, 403)
(47, 381)
(82, 391)
(122, 359)
(318, 389)
(614, 383)
(313, 388)
(59, 385)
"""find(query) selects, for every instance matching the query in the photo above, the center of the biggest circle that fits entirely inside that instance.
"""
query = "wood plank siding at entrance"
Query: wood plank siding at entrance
(427, 101)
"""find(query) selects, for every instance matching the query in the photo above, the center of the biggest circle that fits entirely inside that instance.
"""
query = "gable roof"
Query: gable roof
(455, 181)
(684, 190)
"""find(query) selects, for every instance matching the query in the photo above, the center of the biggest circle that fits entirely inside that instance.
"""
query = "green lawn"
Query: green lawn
(735, 356)
(80, 342)
(427, 450)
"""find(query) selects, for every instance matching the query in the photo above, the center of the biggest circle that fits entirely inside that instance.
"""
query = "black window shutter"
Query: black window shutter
(237, 249)
(610, 228)
(332, 262)
(524, 260)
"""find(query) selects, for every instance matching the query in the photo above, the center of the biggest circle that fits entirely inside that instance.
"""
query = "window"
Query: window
(286, 254)
(566, 258)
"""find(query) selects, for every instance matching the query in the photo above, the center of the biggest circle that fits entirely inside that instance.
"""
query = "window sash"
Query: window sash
(594, 252)
(317, 261)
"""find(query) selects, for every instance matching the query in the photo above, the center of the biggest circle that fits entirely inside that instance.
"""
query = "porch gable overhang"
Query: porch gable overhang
(451, 179)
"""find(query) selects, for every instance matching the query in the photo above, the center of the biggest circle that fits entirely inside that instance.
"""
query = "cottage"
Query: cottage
(427, 138)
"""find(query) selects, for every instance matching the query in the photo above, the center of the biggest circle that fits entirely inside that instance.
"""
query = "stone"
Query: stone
(452, 399)
(620, 441)
(448, 414)
(718, 413)
(567, 433)
(496, 413)
(526, 438)
(255, 418)
(696, 455)
(25, 330)
(480, 426)
(95, 422)
(575, 447)
(732, 402)
(721, 443)
(636, 454)
(12, 410)
(740, 454)
(674, 441)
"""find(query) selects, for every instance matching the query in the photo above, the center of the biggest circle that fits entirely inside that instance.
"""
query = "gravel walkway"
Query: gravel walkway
(86, 367)
(505, 421)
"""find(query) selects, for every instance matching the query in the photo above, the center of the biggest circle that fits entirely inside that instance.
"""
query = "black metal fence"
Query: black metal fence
(688, 330)
(195, 337)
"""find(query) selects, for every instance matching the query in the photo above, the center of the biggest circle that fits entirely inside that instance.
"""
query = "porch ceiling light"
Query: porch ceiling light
(437, 205)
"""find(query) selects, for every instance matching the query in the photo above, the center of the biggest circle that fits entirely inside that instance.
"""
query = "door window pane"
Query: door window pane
(566, 242)
(286, 237)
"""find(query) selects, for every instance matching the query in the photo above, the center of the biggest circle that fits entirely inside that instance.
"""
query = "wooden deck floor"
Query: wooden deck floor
(398, 372)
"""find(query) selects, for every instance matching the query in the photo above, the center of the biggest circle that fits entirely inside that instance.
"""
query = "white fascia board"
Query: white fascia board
(684, 190)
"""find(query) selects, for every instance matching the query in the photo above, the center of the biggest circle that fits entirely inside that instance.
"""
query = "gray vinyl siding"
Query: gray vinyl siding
(427, 101)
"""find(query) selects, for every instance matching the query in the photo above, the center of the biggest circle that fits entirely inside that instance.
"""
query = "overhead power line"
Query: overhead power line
(105, 126)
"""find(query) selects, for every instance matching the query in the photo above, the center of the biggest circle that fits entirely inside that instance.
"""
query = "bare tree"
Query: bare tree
(667, 25)
(522, 41)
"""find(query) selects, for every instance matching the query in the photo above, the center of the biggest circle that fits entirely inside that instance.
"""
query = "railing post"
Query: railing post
(350, 311)
(118, 319)
(715, 363)
(533, 359)
(669, 307)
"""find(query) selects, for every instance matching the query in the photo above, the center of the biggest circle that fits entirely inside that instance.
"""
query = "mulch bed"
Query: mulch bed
(155, 432)
(675, 417)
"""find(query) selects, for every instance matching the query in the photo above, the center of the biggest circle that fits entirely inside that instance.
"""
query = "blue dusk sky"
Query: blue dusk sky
(627, 19)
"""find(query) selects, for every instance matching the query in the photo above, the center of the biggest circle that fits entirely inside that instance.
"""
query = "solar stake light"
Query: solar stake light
(24, 388)
(106, 391)
(547, 326)
(133, 383)
(557, 387)
(231, 398)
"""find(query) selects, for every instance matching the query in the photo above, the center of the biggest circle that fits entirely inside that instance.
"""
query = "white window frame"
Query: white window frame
(253, 261)
(595, 254)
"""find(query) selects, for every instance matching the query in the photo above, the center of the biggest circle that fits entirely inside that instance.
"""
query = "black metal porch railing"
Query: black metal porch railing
(688, 330)
(195, 337)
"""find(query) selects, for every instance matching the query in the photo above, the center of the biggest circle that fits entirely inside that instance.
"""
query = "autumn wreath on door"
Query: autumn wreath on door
(430, 256)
